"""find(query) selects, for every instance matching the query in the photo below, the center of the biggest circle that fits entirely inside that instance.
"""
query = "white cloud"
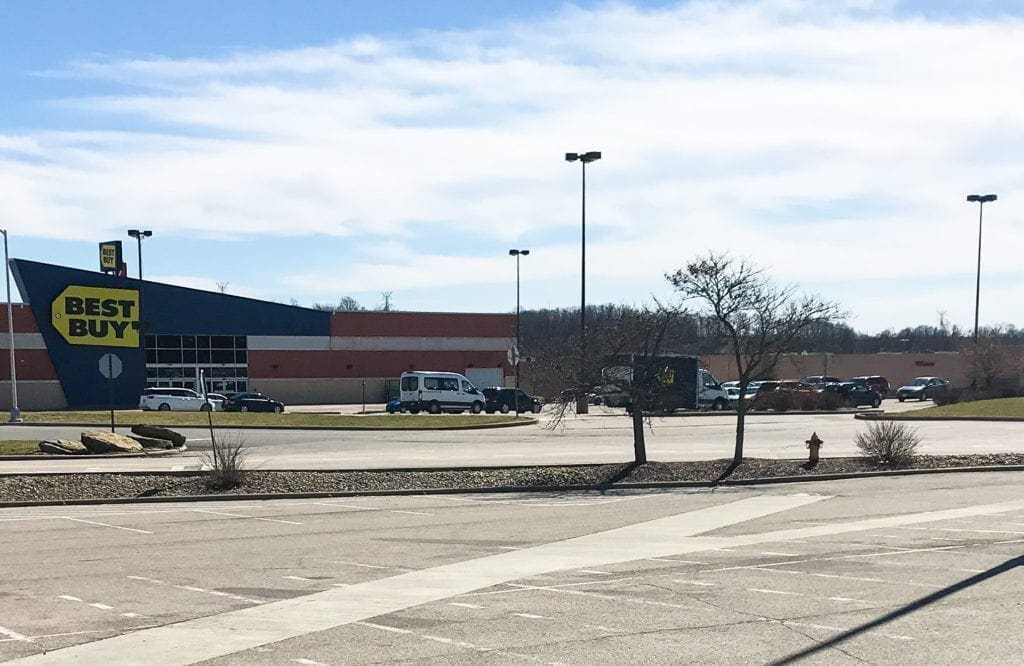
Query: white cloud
(718, 122)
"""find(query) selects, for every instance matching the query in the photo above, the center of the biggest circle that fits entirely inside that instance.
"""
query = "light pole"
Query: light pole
(138, 236)
(15, 412)
(584, 159)
(517, 254)
(981, 199)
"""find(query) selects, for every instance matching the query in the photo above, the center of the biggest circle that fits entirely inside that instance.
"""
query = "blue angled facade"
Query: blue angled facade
(166, 310)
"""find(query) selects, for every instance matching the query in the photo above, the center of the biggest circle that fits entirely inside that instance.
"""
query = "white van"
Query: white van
(437, 392)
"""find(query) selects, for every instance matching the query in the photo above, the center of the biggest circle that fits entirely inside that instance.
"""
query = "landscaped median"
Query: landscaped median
(132, 417)
(99, 487)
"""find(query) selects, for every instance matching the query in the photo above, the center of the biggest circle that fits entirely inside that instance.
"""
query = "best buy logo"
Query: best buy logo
(97, 316)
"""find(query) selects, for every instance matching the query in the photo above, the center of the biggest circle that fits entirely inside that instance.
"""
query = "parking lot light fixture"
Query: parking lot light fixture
(584, 159)
(517, 254)
(981, 200)
(15, 416)
(138, 235)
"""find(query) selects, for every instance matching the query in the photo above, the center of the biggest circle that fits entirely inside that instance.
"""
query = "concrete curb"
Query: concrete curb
(472, 426)
(515, 489)
(901, 417)
(177, 450)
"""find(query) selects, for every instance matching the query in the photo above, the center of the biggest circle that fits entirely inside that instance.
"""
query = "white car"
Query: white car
(176, 399)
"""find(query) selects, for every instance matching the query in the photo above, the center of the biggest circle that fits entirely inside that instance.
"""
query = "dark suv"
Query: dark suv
(876, 383)
(504, 400)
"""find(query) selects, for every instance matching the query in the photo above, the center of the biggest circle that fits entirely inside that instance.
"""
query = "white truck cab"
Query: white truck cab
(437, 392)
(710, 393)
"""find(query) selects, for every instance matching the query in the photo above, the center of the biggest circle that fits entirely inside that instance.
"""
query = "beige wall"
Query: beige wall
(42, 394)
(320, 391)
(897, 368)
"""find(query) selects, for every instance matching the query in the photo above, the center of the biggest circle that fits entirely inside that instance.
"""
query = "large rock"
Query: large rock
(156, 432)
(99, 441)
(152, 442)
(63, 447)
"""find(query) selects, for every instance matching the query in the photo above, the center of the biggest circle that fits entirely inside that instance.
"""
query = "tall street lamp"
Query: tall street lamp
(584, 159)
(981, 200)
(138, 236)
(517, 254)
(15, 412)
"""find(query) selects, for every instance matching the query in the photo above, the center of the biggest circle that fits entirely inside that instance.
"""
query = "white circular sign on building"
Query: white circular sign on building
(110, 366)
(513, 355)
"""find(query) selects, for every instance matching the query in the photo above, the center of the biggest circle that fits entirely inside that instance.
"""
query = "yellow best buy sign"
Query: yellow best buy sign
(97, 316)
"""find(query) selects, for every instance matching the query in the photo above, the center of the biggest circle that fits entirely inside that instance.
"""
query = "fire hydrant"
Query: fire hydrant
(814, 445)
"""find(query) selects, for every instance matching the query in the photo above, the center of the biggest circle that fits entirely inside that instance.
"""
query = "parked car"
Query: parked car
(796, 385)
(608, 395)
(921, 388)
(876, 383)
(854, 394)
(819, 381)
(394, 406)
(165, 399)
(504, 400)
(252, 402)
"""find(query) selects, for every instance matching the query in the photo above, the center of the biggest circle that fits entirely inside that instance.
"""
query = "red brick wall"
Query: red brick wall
(30, 363)
(24, 322)
(321, 364)
(422, 324)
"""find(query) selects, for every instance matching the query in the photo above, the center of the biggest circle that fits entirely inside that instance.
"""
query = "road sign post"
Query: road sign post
(110, 367)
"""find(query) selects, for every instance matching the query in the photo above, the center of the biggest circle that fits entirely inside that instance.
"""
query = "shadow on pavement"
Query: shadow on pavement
(905, 610)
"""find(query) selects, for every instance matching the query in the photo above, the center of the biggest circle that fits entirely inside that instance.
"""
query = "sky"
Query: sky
(304, 151)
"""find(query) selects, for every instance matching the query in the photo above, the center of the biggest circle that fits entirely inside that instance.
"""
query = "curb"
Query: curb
(515, 489)
(472, 426)
(901, 417)
(177, 450)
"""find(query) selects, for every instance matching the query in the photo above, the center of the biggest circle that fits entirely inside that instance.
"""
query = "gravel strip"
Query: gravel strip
(70, 487)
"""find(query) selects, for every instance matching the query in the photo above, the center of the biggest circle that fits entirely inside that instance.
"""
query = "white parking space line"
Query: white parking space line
(530, 616)
(826, 627)
(102, 606)
(116, 527)
(67, 597)
(462, 605)
(669, 559)
(240, 515)
(856, 578)
(368, 566)
(308, 662)
(462, 644)
(695, 582)
(13, 635)
(774, 554)
(371, 508)
(296, 578)
(201, 590)
(597, 573)
(832, 557)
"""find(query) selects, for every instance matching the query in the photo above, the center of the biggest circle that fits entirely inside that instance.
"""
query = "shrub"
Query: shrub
(226, 460)
(889, 443)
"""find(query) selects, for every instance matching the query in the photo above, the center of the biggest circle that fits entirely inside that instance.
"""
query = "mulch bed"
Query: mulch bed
(71, 487)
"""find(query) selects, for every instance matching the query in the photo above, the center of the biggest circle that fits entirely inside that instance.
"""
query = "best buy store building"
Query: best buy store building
(73, 317)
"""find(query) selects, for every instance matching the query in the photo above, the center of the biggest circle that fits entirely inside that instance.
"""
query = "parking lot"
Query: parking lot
(727, 576)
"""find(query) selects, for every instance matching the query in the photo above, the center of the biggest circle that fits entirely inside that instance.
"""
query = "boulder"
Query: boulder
(99, 441)
(152, 442)
(63, 447)
(156, 432)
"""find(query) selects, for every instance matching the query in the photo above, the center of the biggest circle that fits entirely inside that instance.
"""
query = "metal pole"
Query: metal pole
(977, 287)
(364, 396)
(581, 396)
(518, 332)
(15, 412)
(110, 383)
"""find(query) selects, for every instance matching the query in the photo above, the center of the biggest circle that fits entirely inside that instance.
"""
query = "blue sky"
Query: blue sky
(313, 150)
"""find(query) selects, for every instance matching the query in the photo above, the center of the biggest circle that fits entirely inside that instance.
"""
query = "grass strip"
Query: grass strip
(18, 447)
(291, 419)
(1004, 407)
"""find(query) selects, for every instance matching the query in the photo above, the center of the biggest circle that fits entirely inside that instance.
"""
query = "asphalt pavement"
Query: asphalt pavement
(601, 437)
(915, 570)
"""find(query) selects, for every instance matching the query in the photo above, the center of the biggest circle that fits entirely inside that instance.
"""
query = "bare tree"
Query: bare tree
(346, 304)
(616, 336)
(759, 319)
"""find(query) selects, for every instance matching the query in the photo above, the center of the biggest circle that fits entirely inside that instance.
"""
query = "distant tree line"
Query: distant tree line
(701, 335)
